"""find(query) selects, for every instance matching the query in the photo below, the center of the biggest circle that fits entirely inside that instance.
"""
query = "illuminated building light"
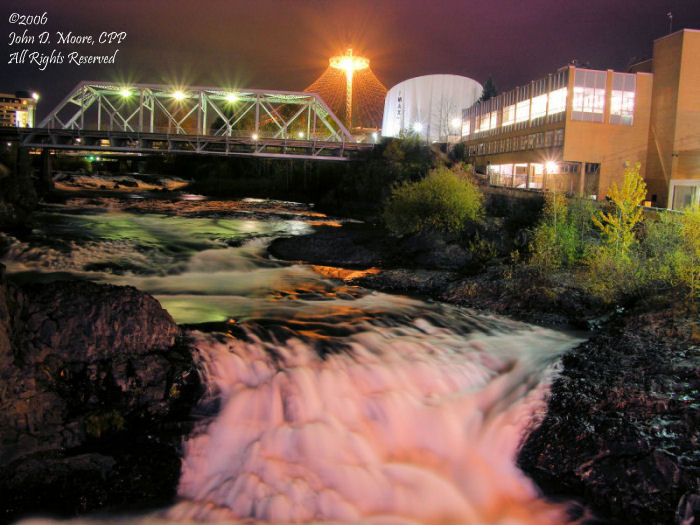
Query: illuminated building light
(254, 136)
(374, 135)
(456, 122)
(231, 97)
(35, 95)
(300, 134)
(179, 95)
(417, 127)
(551, 167)
(125, 93)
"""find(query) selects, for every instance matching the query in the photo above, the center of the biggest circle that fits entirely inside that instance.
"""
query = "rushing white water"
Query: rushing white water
(326, 403)
(411, 424)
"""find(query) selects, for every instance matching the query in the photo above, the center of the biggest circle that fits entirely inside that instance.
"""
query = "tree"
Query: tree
(489, 91)
(617, 225)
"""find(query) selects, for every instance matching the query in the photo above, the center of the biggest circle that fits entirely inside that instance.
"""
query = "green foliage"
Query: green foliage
(611, 277)
(617, 225)
(442, 202)
(662, 249)
(408, 158)
(104, 422)
(489, 91)
(563, 235)
(690, 235)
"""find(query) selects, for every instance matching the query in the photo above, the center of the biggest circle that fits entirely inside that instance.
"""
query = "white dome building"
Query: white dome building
(430, 106)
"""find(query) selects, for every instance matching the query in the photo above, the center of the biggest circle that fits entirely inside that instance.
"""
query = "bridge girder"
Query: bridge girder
(107, 116)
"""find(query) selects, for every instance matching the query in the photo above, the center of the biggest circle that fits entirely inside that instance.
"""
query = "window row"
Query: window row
(525, 142)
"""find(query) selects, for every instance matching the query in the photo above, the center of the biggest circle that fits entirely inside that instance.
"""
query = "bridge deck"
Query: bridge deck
(137, 142)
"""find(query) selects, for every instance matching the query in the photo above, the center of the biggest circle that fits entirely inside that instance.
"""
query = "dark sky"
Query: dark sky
(285, 44)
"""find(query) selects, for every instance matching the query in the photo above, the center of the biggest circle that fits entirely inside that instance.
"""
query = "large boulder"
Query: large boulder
(95, 392)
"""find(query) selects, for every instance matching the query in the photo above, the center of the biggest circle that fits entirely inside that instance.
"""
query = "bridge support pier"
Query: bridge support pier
(45, 183)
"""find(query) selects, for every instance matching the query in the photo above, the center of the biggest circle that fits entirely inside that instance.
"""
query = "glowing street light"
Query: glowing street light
(254, 136)
(179, 95)
(456, 122)
(375, 136)
(125, 93)
(551, 167)
(35, 96)
(231, 98)
(417, 127)
(349, 63)
(300, 134)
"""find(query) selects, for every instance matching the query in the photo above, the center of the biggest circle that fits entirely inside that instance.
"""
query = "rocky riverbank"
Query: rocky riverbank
(96, 388)
(620, 432)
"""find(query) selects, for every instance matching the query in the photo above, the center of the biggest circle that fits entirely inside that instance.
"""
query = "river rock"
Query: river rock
(95, 394)
(621, 430)
(18, 197)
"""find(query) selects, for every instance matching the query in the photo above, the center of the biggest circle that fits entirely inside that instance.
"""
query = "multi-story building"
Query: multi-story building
(576, 129)
(17, 111)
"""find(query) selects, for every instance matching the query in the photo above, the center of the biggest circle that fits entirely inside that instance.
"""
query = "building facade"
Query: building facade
(575, 130)
(17, 111)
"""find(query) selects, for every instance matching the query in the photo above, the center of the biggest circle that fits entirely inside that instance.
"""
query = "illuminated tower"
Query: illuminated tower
(348, 86)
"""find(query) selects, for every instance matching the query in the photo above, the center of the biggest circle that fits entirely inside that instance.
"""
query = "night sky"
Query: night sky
(285, 44)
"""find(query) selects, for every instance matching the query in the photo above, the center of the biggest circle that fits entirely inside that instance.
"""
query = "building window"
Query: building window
(557, 101)
(589, 95)
(684, 193)
(539, 107)
(559, 137)
(493, 119)
(466, 125)
(522, 111)
(536, 176)
(539, 140)
(523, 142)
(508, 115)
(520, 178)
(548, 138)
(531, 141)
(622, 99)
(484, 121)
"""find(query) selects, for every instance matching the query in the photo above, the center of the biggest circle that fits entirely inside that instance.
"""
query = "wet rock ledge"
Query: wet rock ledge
(95, 394)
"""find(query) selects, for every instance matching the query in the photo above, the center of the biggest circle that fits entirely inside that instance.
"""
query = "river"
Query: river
(336, 404)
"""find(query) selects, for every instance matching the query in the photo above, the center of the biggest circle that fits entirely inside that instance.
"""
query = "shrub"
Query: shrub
(662, 249)
(563, 234)
(611, 277)
(690, 235)
(441, 202)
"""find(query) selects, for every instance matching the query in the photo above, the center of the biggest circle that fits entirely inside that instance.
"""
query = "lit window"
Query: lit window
(539, 107)
(466, 125)
(557, 101)
(522, 111)
(484, 122)
(493, 119)
(589, 95)
(622, 99)
(508, 115)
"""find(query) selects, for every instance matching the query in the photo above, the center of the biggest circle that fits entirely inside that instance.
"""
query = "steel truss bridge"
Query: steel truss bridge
(152, 118)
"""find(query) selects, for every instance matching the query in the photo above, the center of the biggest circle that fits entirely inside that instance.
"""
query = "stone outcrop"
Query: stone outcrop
(621, 430)
(95, 394)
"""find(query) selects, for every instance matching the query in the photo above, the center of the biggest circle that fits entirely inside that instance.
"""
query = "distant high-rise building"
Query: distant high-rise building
(17, 111)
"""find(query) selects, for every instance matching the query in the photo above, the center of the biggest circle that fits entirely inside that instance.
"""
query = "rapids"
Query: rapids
(326, 403)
